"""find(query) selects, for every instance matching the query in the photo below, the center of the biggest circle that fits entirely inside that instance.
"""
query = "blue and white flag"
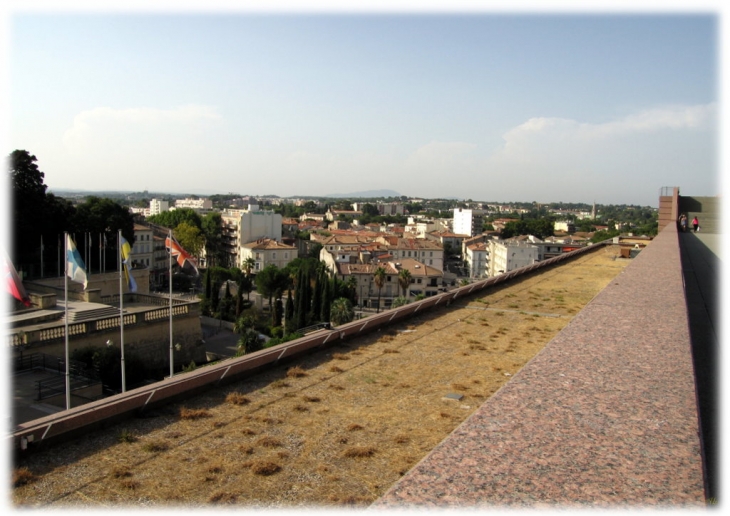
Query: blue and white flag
(74, 264)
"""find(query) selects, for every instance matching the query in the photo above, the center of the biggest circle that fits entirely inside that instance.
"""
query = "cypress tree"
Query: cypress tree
(289, 314)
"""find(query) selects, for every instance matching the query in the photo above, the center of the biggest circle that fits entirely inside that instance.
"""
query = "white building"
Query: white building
(143, 250)
(244, 226)
(157, 206)
(266, 251)
(508, 256)
(468, 222)
(194, 204)
(477, 259)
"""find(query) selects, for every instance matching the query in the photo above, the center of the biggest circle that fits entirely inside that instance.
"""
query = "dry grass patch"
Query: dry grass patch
(193, 414)
(155, 446)
(279, 384)
(22, 476)
(336, 387)
(300, 408)
(121, 472)
(221, 497)
(390, 350)
(335, 369)
(130, 484)
(401, 439)
(353, 427)
(269, 442)
(236, 398)
(248, 431)
(264, 468)
(246, 449)
(340, 356)
(296, 372)
(459, 387)
(359, 452)
(311, 399)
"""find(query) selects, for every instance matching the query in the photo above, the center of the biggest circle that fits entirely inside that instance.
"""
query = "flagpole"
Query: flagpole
(169, 240)
(59, 255)
(100, 266)
(65, 290)
(121, 309)
(41, 256)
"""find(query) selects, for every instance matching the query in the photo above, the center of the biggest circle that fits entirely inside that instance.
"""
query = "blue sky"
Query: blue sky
(575, 107)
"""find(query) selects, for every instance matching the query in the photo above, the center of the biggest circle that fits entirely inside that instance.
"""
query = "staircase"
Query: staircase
(707, 209)
(80, 311)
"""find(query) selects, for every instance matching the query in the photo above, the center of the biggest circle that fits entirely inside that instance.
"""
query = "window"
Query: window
(273, 255)
(286, 256)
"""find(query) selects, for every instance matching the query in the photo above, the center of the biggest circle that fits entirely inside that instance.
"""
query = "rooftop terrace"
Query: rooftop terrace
(604, 415)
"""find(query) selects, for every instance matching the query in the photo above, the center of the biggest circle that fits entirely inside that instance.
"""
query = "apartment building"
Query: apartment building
(194, 204)
(143, 248)
(266, 251)
(507, 256)
(476, 257)
(157, 206)
(244, 226)
(468, 222)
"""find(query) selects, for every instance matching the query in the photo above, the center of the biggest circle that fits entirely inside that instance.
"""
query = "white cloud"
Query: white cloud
(535, 132)
(109, 128)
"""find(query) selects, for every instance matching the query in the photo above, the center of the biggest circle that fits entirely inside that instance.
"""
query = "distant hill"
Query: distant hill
(367, 194)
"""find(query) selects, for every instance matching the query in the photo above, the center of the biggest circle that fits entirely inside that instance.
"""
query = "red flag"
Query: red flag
(180, 254)
(13, 283)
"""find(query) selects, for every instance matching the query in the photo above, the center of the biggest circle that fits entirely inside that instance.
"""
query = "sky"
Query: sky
(492, 105)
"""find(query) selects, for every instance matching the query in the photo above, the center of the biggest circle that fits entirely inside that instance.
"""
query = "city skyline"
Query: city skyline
(573, 107)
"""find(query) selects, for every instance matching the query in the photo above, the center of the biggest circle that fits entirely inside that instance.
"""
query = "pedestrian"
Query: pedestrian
(695, 223)
(683, 222)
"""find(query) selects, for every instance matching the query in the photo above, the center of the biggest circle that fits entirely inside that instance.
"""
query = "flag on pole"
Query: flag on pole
(126, 251)
(74, 264)
(13, 283)
(181, 255)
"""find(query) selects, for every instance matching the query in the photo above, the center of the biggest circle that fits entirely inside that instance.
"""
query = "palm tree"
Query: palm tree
(351, 285)
(248, 265)
(341, 311)
(404, 279)
(379, 279)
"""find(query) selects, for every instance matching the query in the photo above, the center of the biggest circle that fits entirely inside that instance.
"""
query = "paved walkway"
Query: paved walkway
(604, 416)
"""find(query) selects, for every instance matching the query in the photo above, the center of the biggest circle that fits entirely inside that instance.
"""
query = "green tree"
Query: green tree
(248, 265)
(404, 280)
(399, 301)
(212, 228)
(379, 280)
(189, 237)
(249, 342)
(341, 311)
(172, 219)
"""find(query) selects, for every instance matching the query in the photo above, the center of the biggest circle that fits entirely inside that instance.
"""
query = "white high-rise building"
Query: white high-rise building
(468, 222)
(157, 206)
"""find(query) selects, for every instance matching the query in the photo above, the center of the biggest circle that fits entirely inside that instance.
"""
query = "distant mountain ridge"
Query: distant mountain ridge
(368, 194)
